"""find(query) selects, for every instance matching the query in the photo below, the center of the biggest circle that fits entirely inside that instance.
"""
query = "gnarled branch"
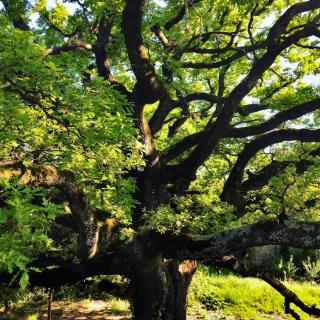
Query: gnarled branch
(232, 263)
(232, 190)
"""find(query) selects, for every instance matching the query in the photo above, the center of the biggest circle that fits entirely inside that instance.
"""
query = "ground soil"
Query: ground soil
(99, 310)
(63, 310)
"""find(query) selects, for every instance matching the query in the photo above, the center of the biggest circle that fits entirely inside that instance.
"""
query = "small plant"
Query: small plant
(212, 302)
(312, 268)
(33, 317)
(289, 269)
(119, 306)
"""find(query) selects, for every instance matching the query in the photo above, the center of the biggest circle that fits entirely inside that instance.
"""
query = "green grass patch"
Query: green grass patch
(244, 298)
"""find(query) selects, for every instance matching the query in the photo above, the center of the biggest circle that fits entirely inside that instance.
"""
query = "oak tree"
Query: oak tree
(143, 137)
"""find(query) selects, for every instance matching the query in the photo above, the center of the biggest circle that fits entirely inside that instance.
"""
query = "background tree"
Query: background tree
(161, 133)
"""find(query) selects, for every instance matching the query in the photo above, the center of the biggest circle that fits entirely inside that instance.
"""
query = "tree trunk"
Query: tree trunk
(159, 289)
(181, 274)
(151, 291)
(7, 305)
(50, 294)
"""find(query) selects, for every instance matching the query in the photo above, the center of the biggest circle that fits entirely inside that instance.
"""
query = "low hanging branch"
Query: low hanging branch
(232, 263)
(210, 247)
(56, 272)
(48, 176)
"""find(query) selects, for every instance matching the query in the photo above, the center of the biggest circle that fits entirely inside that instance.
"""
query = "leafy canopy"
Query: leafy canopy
(56, 107)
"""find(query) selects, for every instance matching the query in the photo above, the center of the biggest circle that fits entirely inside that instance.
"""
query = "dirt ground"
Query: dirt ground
(97, 310)
(62, 310)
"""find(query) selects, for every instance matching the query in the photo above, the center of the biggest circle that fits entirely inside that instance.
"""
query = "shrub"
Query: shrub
(289, 269)
(212, 301)
(119, 306)
(312, 268)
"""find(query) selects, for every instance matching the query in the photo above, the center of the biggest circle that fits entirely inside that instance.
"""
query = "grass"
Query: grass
(33, 317)
(118, 306)
(243, 298)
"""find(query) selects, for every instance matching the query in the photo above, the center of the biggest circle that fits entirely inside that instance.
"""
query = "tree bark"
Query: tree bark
(152, 291)
(181, 274)
(50, 295)
(159, 289)
(7, 306)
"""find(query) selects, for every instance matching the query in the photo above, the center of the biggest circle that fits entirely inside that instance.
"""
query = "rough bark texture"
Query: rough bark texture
(181, 273)
(159, 289)
(151, 291)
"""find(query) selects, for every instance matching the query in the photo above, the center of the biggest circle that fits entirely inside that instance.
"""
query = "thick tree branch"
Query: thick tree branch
(212, 65)
(10, 163)
(166, 105)
(280, 26)
(56, 272)
(149, 89)
(17, 18)
(185, 114)
(211, 247)
(168, 44)
(232, 263)
(275, 121)
(48, 176)
(102, 60)
(232, 190)
(218, 129)
(204, 37)
(74, 44)
(257, 180)
(203, 96)
(251, 108)
(281, 117)
(180, 15)
(103, 35)
(184, 145)
(243, 49)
